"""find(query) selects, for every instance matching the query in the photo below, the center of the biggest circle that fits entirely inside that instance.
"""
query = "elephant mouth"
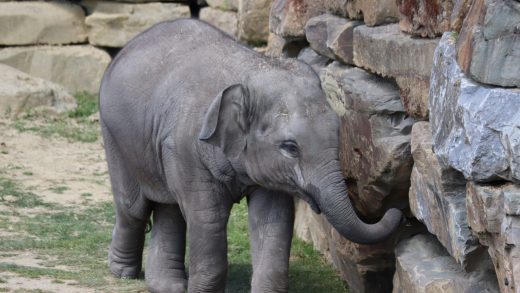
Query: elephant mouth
(310, 200)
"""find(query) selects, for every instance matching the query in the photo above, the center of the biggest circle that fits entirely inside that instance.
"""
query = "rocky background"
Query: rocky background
(428, 95)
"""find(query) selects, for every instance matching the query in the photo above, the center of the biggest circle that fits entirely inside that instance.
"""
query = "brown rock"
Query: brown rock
(288, 17)
(488, 42)
(460, 9)
(253, 21)
(226, 5)
(374, 137)
(389, 52)
(373, 12)
(77, 68)
(332, 36)
(20, 92)
(425, 18)
(494, 215)
(31, 22)
(113, 24)
(224, 20)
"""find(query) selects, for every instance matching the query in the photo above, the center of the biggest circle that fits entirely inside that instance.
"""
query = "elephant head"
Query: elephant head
(281, 130)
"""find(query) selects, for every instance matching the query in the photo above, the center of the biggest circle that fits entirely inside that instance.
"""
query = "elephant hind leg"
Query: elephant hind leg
(165, 270)
(132, 214)
(126, 249)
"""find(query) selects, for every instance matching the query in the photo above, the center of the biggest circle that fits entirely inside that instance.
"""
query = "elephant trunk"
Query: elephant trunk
(331, 196)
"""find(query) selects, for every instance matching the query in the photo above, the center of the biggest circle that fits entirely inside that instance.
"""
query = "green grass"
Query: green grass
(74, 125)
(79, 239)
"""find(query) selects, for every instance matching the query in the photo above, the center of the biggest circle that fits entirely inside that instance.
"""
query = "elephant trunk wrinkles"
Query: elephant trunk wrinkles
(331, 196)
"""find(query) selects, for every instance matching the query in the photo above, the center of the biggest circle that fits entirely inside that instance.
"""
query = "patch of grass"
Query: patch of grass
(74, 125)
(308, 272)
(79, 240)
(28, 173)
(87, 104)
(58, 189)
(12, 195)
(86, 194)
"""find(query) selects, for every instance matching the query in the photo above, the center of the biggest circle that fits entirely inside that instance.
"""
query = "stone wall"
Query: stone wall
(60, 48)
(427, 92)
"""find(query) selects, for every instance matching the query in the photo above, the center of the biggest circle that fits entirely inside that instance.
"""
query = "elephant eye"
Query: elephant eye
(290, 148)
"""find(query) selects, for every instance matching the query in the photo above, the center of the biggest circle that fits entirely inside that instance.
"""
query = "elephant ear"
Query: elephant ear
(226, 121)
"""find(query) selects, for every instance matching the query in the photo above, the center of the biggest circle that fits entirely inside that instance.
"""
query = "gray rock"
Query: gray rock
(226, 5)
(374, 137)
(113, 24)
(20, 92)
(26, 23)
(437, 198)
(253, 21)
(476, 129)
(77, 68)
(332, 36)
(280, 47)
(425, 18)
(494, 215)
(288, 17)
(373, 12)
(224, 20)
(389, 52)
(423, 266)
(315, 60)
(489, 42)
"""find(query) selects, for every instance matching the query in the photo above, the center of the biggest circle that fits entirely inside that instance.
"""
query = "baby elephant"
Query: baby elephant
(193, 122)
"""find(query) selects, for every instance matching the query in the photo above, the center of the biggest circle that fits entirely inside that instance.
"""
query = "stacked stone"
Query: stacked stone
(246, 20)
(53, 49)
(459, 172)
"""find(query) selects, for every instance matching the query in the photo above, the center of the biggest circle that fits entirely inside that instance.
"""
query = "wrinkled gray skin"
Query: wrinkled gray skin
(192, 122)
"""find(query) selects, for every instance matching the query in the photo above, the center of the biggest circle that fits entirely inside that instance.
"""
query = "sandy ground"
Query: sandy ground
(59, 171)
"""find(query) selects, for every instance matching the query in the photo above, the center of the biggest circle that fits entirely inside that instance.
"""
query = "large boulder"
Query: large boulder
(26, 23)
(389, 52)
(224, 20)
(77, 68)
(113, 24)
(374, 137)
(438, 199)
(423, 266)
(226, 5)
(288, 17)
(332, 36)
(373, 12)
(494, 215)
(489, 42)
(425, 18)
(476, 128)
(20, 92)
(253, 20)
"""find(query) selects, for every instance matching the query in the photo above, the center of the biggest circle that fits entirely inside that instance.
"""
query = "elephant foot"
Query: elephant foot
(124, 268)
(159, 285)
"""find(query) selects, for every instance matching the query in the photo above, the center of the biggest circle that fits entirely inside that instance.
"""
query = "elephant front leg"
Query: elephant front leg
(271, 220)
(207, 219)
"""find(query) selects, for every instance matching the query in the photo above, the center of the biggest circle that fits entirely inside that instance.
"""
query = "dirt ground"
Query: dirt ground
(58, 171)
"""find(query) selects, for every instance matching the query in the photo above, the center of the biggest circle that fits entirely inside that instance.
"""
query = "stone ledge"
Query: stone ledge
(32, 23)
(387, 51)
